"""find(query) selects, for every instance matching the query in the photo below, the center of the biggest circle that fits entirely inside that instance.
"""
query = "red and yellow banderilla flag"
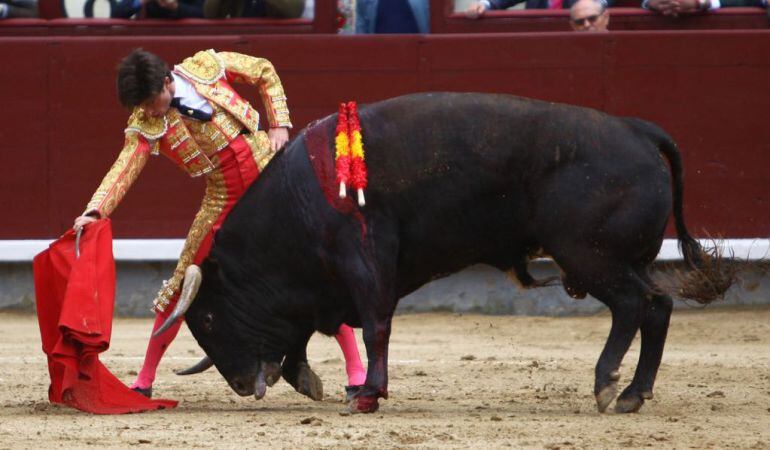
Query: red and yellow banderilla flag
(349, 152)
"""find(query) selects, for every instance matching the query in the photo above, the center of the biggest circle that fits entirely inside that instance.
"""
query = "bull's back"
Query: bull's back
(482, 178)
(466, 178)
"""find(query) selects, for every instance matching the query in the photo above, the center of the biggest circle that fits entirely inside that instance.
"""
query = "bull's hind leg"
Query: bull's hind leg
(625, 296)
(654, 330)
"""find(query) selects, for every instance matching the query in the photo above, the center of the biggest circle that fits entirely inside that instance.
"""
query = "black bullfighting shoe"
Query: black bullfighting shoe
(352, 391)
(147, 392)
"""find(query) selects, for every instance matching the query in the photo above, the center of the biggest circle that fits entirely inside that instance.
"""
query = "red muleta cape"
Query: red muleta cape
(75, 300)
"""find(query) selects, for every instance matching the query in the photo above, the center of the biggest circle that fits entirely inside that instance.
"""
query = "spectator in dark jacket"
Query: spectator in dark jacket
(10, 9)
(278, 9)
(675, 7)
(392, 16)
(478, 8)
(589, 15)
(158, 9)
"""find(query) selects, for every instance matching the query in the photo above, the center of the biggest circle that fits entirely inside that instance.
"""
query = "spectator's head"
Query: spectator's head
(589, 15)
(144, 80)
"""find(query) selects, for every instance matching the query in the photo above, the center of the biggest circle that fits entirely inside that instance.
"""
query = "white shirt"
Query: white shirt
(188, 96)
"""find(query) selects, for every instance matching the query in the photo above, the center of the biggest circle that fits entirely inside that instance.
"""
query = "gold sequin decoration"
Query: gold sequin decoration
(259, 72)
(222, 95)
(148, 126)
(207, 136)
(260, 148)
(227, 124)
(185, 146)
(213, 203)
(204, 67)
(120, 177)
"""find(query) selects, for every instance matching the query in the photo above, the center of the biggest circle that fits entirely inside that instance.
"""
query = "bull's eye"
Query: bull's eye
(208, 322)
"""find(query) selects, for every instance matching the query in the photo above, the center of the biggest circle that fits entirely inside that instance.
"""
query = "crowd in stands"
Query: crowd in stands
(210, 9)
(666, 7)
(379, 16)
(10, 9)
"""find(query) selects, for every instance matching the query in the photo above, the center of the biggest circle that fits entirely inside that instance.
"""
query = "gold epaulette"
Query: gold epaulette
(204, 67)
(152, 128)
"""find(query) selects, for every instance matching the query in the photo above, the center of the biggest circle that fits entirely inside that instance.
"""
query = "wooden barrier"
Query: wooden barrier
(62, 126)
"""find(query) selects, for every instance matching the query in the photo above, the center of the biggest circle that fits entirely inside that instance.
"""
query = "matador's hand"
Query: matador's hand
(171, 5)
(475, 10)
(82, 221)
(278, 137)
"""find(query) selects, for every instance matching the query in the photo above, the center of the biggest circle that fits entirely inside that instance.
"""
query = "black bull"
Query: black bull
(454, 180)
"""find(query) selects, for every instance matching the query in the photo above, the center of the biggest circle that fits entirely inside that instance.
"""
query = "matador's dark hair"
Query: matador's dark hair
(140, 77)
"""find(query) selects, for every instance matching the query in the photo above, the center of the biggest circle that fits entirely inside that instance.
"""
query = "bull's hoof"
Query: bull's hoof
(629, 404)
(545, 282)
(363, 404)
(607, 394)
(352, 392)
(309, 384)
(630, 401)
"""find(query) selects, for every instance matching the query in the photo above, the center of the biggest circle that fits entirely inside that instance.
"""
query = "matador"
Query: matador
(193, 116)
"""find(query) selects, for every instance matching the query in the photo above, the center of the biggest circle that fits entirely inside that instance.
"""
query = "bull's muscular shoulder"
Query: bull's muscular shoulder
(149, 127)
(204, 67)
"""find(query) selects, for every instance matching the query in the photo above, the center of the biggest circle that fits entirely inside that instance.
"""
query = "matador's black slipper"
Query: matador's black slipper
(147, 392)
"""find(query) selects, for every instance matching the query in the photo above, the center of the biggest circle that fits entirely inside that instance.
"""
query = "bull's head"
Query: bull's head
(226, 333)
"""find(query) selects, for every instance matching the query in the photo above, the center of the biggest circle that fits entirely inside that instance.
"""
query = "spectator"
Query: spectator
(589, 15)
(675, 7)
(279, 9)
(478, 8)
(158, 9)
(392, 16)
(11, 9)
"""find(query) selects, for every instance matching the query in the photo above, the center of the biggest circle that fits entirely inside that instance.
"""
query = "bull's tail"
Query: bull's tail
(691, 249)
(710, 276)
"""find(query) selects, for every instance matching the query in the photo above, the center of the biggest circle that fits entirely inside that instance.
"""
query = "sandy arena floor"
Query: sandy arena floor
(456, 381)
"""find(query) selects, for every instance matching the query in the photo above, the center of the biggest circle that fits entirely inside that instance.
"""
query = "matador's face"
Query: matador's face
(158, 105)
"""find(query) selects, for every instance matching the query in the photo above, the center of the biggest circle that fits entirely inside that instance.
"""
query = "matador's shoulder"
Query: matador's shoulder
(204, 67)
(150, 127)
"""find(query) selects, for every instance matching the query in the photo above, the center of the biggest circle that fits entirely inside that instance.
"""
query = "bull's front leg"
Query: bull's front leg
(297, 372)
(376, 339)
(368, 267)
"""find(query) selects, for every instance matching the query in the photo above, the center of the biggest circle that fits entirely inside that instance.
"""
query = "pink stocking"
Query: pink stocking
(346, 337)
(155, 350)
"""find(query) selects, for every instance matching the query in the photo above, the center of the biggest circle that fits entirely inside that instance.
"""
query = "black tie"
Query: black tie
(190, 112)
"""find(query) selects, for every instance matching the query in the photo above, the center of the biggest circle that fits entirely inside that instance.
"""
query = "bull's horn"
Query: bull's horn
(201, 366)
(192, 281)
(260, 386)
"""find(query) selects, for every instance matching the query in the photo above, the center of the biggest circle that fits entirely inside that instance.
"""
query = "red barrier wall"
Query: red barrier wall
(62, 126)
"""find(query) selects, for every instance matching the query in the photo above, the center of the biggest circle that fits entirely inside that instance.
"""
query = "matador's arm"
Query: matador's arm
(261, 73)
(120, 177)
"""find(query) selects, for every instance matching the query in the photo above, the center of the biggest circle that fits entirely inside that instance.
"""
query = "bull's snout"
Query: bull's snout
(241, 386)
(267, 374)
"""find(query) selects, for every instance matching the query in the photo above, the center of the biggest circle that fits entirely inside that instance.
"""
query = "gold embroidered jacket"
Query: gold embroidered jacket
(190, 145)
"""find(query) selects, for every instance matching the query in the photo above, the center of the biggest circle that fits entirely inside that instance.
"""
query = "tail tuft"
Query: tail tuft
(709, 273)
